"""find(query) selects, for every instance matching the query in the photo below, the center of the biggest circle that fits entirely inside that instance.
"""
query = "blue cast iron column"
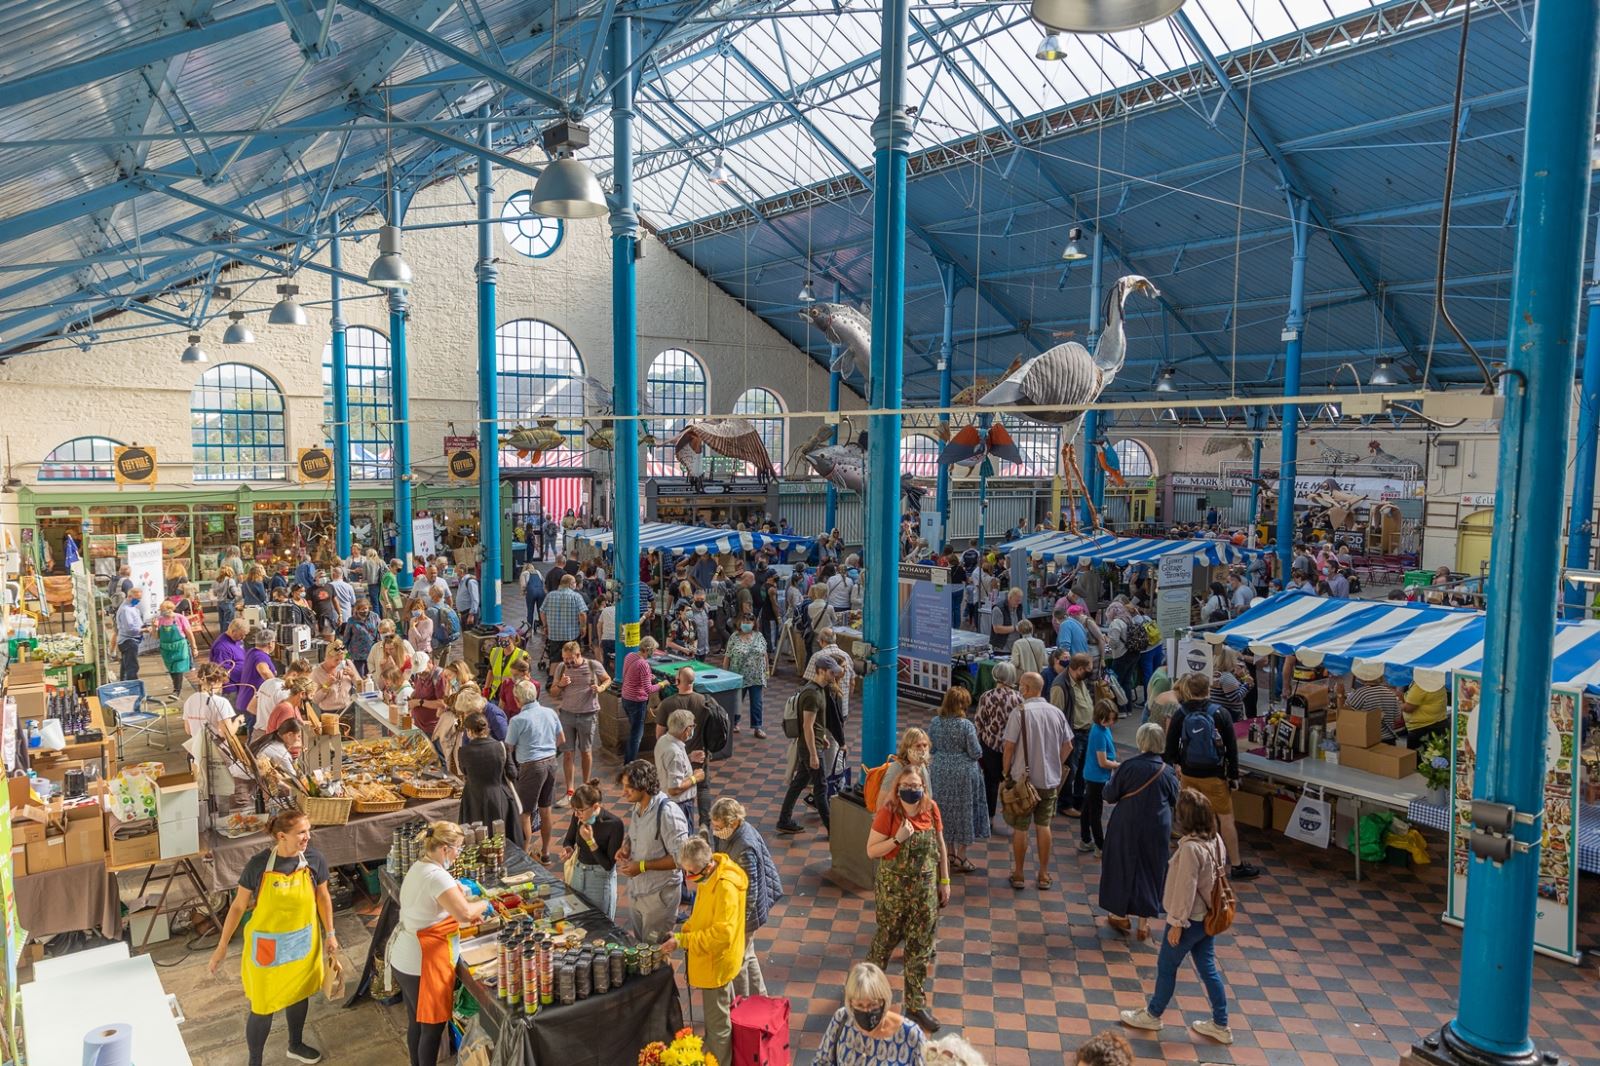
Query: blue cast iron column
(624, 345)
(830, 514)
(947, 275)
(400, 391)
(1491, 1023)
(1292, 327)
(340, 386)
(1580, 533)
(488, 390)
(1093, 488)
(891, 138)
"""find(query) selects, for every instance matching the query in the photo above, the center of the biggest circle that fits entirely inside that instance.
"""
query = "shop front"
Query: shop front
(735, 502)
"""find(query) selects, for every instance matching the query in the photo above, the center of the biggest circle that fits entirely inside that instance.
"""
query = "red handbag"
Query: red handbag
(760, 1031)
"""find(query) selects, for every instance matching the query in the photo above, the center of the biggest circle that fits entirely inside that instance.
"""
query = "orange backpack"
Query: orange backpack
(873, 783)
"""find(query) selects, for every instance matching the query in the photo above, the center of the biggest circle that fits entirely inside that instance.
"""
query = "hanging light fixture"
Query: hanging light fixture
(1101, 16)
(1169, 415)
(1074, 251)
(286, 312)
(194, 353)
(1050, 50)
(719, 172)
(1383, 372)
(807, 296)
(566, 188)
(237, 332)
(389, 270)
(1166, 381)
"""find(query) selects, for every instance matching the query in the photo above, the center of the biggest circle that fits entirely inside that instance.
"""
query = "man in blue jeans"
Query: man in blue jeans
(130, 634)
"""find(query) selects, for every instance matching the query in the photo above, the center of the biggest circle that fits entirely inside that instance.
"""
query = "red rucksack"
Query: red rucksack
(760, 1031)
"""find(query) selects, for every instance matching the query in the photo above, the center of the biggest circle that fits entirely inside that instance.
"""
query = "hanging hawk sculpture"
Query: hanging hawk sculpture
(736, 438)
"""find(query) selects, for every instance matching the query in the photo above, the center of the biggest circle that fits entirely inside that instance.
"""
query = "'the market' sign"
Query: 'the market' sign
(134, 465)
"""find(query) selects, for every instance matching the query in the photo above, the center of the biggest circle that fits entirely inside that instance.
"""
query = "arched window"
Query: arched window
(1134, 459)
(237, 425)
(1040, 445)
(370, 398)
(919, 455)
(540, 375)
(755, 403)
(80, 459)
(675, 385)
(535, 237)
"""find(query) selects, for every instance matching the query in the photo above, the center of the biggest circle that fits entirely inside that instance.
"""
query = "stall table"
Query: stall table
(723, 686)
(69, 899)
(1436, 817)
(603, 1030)
(364, 838)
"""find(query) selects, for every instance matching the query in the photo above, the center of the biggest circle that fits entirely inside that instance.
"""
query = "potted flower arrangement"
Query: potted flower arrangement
(1433, 763)
(686, 1049)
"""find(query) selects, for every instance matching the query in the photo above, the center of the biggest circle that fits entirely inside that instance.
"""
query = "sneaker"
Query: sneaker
(1211, 1030)
(1085, 846)
(1071, 812)
(791, 827)
(761, 734)
(1141, 1019)
(307, 1053)
(564, 801)
(1245, 872)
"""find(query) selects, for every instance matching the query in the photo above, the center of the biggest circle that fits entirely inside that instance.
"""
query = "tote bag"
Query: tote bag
(1312, 820)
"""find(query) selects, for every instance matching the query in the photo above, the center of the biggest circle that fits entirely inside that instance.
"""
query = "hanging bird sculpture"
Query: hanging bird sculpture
(736, 438)
(970, 444)
(1068, 374)
(851, 330)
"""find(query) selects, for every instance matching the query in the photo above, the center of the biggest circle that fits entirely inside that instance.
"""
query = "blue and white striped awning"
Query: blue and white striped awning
(1414, 642)
(1121, 551)
(677, 539)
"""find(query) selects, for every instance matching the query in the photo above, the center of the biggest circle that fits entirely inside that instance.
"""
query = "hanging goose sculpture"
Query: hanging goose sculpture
(1068, 375)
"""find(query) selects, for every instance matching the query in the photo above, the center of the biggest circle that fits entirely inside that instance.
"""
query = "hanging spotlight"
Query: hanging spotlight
(1165, 383)
(389, 270)
(286, 312)
(237, 332)
(566, 188)
(1169, 415)
(1333, 412)
(1383, 372)
(1073, 251)
(194, 353)
(719, 173)
(807, 296)
(1050, 49)
(1101, 16)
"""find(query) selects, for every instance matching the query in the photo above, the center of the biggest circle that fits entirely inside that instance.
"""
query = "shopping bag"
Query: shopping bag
(1312, 819)
(760, 1031)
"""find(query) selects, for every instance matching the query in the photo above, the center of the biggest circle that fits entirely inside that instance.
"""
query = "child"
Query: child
(396, 687)
(1099, 761)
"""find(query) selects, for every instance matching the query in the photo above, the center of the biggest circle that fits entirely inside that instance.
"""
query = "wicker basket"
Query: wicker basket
(326, 810)
(379, 806)
(427, 792)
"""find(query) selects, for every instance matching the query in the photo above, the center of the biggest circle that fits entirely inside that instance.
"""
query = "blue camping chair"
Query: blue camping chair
(123, 704)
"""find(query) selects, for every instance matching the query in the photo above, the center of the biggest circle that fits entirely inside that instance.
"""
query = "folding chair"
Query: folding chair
(124, 702)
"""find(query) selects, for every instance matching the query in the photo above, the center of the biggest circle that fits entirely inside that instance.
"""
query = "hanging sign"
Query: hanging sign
(134, 465)
(145, 571)
(463, 464)
(423, 542)
(1194, 656)
(315, 464)
(455, 443)
(1176, 572)
(922, 668)
(1555, 925)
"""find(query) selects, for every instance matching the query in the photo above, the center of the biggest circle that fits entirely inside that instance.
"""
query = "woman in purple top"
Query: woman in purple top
(227, 651)
(254, 669)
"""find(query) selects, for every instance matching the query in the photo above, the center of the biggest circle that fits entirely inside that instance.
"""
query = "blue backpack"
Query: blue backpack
(1199, 742)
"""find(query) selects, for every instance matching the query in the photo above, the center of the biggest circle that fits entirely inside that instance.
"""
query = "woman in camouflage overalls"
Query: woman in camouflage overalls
(913, 883)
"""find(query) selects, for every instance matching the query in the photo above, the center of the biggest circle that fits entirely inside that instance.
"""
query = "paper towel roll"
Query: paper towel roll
(108, 1045)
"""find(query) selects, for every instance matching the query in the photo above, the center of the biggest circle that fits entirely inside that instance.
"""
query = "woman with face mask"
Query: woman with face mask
(865, 1032)
(594, 836)
(735, 837)
(913, 883)
(747, 655)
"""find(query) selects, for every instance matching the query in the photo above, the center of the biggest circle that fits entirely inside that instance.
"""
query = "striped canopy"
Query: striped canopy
(1105, 548)
(1414, 642)
(677, 539)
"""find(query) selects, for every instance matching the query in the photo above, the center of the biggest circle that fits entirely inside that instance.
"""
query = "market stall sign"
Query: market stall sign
(455, 443)
(464, 464)
(134, 465)
(315, 464)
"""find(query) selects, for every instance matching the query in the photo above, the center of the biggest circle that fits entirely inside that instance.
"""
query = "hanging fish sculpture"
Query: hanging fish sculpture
(1068, 375)
(605, 439)
(736, 438)
(851, 330)
(845, 467)
(531, 444)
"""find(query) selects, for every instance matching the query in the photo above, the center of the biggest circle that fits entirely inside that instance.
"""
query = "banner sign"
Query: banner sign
(1172, 609)
(1555, 927)
(923, 667)
(144, 570)
(1176, 571)
(1375, 489)
(134, 465)
(315, 464)
(424, 544)
(1194, 656)
(463, 464)
(454, 443)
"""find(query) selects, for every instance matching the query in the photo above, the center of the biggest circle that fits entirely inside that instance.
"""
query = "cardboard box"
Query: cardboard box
(1250, 809)
(139, 921)
(28, 673)
(1359, 729)
(20, 791)
(19, 861)
(50, 855)
(1385, 760)
(26, 831)
(177, 798)
(130, 851)
(31, 703)
(86, 835)
(180, 838)
(1282, 811)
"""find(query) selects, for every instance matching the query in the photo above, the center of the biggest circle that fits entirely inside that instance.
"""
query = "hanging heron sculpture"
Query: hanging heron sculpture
(1069, 375)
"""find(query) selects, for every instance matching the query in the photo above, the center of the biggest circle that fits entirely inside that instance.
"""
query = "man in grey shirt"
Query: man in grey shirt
(649, 853)
(1037, 743)
(130, 634)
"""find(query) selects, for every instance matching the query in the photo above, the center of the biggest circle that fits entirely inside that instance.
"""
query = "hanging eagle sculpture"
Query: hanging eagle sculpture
(736, 438)
(1069, 375)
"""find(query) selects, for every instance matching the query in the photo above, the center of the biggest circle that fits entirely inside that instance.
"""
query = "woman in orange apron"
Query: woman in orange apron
(284, 940)
(424, 948)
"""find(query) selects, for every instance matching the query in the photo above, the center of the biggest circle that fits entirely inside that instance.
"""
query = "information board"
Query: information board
(923, 663)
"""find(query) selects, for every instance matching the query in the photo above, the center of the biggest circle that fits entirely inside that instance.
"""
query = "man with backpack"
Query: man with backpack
(1201, 743)
(710, 732)
(805, 719)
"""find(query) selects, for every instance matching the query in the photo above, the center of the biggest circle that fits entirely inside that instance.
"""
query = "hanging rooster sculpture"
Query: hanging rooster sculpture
(851, 330)
(1068, 375)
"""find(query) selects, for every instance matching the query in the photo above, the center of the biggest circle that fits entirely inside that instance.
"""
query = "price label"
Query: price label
(630, 634)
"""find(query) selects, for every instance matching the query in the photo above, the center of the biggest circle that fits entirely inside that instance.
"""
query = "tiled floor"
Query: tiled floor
(1321, 970)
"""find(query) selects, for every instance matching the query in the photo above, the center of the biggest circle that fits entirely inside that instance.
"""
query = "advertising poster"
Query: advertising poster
(1555, 930)
(1194, 656)
(923, 670)
(144, 566)
(423, 543)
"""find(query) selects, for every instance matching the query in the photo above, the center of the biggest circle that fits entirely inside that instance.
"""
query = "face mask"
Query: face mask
(911, 796)
(868, 1020)
(593, 818)
(745, 627)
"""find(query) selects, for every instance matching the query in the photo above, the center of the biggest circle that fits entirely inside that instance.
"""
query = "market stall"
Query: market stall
(677, 540)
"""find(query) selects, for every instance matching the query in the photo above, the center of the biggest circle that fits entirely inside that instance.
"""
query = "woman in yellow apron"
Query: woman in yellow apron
(284, 940)
(424, 948)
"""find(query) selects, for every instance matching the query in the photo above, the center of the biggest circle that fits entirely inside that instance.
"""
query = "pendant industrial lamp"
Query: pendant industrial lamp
(237, 332)
(286, 312)
(1074, 251)
(194, 353)
(1050, 50)
(1383, 372)
(1101, 16)
(566, 188)
(389, 270)
(719, 173)
(807, 294)
(1164, 383)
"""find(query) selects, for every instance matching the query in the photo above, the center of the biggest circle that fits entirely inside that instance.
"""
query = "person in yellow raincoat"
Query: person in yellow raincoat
(286, 888)
(713, 938)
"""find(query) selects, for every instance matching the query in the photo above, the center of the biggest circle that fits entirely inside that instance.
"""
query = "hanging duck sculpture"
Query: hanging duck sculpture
(1068, 375)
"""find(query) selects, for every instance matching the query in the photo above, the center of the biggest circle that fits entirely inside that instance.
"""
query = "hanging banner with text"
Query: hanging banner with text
(1555, 926)
(144, 570)
(923, 667)
(424, 544)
